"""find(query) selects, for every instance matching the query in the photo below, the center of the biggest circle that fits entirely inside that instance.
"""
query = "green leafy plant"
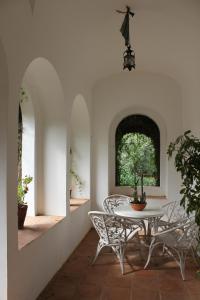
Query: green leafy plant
(136, 156)
(187, 162)
(77, 180)
(23, 97)
(136, 198)
(22, 189)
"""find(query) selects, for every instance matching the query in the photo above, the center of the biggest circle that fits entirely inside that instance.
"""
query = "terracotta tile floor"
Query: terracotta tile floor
(78, 279)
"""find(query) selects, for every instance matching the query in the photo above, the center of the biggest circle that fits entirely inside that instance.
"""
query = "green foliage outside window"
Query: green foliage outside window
(22, 188)
(136, 156)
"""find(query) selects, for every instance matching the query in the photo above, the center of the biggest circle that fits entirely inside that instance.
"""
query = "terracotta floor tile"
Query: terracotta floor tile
(193, 286)
(59, 289)
(194, 296)
(116, 293)
(140, 294)
(95, 274)
(145, 281)
(174, 296)
(78, 279)
(171, 285)
(115, 278)
(87, 292)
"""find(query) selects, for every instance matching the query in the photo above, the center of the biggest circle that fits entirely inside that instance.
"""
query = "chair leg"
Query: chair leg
(145, 230)
(151, 248)
(99, 247)
(182, 257)
(119, 251)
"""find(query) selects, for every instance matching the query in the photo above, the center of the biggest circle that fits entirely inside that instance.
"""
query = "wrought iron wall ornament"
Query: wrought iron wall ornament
(129, 54)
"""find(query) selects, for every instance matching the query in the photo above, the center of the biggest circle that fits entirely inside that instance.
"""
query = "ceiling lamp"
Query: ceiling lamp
(129, 54)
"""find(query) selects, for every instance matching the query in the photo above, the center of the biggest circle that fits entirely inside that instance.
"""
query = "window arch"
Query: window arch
(137, 145)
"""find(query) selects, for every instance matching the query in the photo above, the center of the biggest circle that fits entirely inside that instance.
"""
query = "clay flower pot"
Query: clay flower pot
(138, 206)
(22, 210)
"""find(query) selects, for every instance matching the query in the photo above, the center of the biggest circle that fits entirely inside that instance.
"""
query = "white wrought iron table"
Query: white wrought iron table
(151, 213)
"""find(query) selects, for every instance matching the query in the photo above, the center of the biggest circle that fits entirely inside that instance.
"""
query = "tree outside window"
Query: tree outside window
(137, 143)
(136, 156)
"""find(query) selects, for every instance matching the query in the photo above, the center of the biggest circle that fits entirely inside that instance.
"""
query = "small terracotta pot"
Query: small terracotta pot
(138, 206)
(22, 210)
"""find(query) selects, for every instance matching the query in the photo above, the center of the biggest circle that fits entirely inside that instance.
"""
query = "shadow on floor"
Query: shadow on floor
(78, 279)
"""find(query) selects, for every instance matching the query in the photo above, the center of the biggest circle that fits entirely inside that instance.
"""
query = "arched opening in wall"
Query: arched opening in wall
(137, 146)
(45, 97)
(26, 151)
(80, 150)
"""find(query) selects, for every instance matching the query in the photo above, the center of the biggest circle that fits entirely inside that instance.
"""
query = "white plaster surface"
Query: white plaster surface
(82, 42)
(153, 95)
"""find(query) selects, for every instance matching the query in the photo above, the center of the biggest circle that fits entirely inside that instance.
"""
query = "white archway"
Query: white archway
(151, 190)
(42, 83)
(80, 149)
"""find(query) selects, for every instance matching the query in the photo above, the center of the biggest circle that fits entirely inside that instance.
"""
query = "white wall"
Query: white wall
(34, 266)
(3, 172)
(42, 82)
(80, 147)
(153, 95)
(84, 46)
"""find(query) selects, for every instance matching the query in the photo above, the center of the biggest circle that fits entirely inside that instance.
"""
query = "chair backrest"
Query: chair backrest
(182, 236)
(173, 211)
(113, 201)
(190, 234)
(104, 223)
(111, 227)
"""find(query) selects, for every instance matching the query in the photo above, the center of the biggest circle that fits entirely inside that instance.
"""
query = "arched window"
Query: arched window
(26, 146)
(137, 144)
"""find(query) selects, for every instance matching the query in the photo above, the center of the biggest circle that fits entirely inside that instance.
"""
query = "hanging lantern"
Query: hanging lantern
(129, 58)
(129, 54)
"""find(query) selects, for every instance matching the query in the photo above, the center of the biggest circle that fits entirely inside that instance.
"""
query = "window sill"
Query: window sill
(34, 227)
(75, 203)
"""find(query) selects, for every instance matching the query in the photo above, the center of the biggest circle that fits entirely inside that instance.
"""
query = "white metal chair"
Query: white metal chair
(115, 232)
(174, 214)
(177, 241)
(113, 201)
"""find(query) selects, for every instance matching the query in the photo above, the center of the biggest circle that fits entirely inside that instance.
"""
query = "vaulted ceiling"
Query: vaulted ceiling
(82, 38)
(165, 34)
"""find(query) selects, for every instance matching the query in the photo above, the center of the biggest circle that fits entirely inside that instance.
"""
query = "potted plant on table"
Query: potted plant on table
(22, 190)
(138, 203)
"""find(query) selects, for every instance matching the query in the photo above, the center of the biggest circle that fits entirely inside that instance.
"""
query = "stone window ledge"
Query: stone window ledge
(75, 203)
(35, 227)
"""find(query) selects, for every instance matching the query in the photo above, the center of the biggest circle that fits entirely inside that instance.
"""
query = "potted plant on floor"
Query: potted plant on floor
(22, 190)
(187, 162)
